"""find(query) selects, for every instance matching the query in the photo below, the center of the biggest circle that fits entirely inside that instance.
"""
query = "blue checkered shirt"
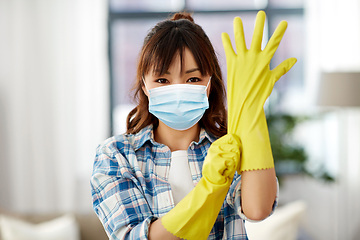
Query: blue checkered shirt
(130, 187)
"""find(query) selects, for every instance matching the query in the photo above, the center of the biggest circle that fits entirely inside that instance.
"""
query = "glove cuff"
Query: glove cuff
(194, 216)
(256, 151)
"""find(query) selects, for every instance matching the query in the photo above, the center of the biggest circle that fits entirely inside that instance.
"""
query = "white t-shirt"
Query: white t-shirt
(179, 175)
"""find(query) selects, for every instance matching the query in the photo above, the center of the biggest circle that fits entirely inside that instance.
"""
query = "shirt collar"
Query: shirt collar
(147, 134)
(143, 136)
(204, 134)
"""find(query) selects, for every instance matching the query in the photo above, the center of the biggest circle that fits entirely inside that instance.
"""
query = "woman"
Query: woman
(173, 174)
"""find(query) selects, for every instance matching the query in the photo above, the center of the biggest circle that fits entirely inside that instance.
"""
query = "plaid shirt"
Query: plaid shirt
(130, 187)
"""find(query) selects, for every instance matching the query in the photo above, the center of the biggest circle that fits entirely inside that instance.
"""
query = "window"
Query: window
(129, 22)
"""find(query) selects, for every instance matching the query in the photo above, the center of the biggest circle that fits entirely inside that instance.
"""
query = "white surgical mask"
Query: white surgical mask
(179, 106)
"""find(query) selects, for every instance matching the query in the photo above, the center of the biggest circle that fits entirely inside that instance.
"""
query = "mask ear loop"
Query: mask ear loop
(207, 84)
(146, 86)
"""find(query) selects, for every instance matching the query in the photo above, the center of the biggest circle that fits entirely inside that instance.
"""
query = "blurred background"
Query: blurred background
(66, 73)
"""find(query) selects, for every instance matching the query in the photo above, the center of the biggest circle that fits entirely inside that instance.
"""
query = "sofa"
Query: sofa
(83, 226)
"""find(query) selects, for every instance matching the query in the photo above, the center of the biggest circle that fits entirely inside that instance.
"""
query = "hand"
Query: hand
(250, 82)
(222, 160)
(194, 216)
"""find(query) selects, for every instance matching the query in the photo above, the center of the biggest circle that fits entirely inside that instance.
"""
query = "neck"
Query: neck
(175, 139)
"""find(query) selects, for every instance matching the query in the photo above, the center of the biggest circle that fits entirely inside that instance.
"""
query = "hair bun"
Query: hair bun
(182, 15)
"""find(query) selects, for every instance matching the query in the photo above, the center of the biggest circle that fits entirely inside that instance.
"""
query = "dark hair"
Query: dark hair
(167, 39)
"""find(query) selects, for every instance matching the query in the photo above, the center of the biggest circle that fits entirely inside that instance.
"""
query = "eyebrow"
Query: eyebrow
(192, 70)
(188, 71)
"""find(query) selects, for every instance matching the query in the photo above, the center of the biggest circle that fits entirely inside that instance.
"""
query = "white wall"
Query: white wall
(333, 207)
(53, 101)
(332, 44)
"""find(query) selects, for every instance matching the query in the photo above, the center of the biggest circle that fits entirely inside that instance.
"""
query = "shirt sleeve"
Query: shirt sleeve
(118, 198)
(233, 198)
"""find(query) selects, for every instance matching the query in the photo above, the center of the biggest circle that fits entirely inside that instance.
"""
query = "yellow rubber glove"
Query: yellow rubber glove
(249, 83)
(194, 216)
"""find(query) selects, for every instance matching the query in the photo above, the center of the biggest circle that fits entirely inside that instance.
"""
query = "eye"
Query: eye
(193, 80)
(161, 80)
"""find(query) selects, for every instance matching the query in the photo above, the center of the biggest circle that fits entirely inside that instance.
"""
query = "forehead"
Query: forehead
(181, 61)
(188, 58)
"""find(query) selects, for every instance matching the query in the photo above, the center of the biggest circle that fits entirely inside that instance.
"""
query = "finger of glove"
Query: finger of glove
(220, 153)
(237, 146)
(230, 169)
(222, 159)
(229, 51)
(221, 167)
(228, 143)
(239, 35)
(283, 68)
(258, 31)
(228, 147)
(275, 39)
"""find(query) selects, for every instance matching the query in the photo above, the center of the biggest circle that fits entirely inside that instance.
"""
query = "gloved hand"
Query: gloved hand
(249, 83)
(194, 216)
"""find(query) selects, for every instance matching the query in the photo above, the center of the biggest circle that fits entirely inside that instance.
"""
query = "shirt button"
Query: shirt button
(192, 147)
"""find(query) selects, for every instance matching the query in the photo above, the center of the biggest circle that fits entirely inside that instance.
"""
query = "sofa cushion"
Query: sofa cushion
(283, 224)
(61, 228)
(90, 226)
